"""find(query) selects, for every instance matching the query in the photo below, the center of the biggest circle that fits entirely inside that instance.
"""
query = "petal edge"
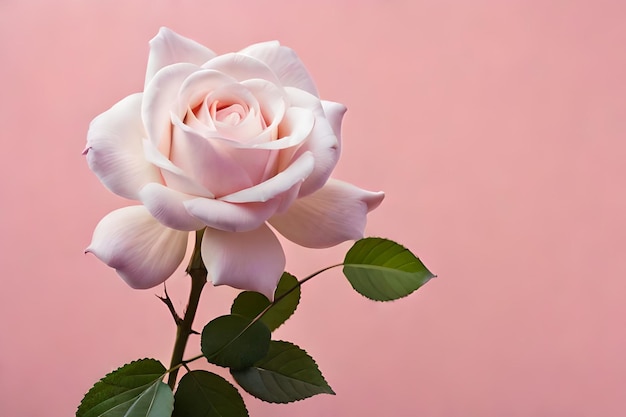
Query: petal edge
(251, 261)
(168, 47)
(143, 252)
(114, 149)
(335, 213)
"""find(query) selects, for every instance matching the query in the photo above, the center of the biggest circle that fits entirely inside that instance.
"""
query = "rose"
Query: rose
(228, 143)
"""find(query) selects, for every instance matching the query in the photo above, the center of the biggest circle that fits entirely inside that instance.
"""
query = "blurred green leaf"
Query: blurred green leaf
(204, 394)
(285, 375)
(134, 390)
(383, 270)
(250, 304)
(232, 341)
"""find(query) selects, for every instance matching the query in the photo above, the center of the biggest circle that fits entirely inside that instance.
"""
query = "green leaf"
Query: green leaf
(383, 270)
(285, 375)
(250, 304)
(204, 394)
(234, 341)
(134, 390)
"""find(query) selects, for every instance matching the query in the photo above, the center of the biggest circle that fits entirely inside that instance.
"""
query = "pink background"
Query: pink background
(496, 129)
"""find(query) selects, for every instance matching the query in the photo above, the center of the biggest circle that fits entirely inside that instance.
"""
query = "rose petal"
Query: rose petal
(285, 64)
(297, 172)
(271, 101)
(143, 251)
(334, 214)
(166, 205)
(174, 177)
(242, 67)
(197, 86)
(294, 129)
(322, 141)
(231, 217)
(288, 197)
(324, 146)
(215, 156)
(252, 261)
(250, 126)
(334, 114)
(206, 163)
(114, 149)
(259, 162)
(160, 99)
(168, 48)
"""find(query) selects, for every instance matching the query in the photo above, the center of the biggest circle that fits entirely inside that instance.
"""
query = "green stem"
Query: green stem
(198, 273)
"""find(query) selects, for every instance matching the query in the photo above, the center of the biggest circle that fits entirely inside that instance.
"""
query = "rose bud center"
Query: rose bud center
(228, 114)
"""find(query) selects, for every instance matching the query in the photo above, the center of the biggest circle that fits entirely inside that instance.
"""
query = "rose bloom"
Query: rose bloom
(226, 143)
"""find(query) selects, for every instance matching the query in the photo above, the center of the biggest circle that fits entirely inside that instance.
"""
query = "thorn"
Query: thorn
(168, 302)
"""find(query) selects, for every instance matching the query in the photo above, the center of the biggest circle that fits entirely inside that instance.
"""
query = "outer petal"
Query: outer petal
(166, 205)
(249, 261)
(143, 251)
(115, 151)
(323, 142)
(334, 114)
(325, 146)
(332, 215)
(232, 217)
(168, 48)
(285, 63)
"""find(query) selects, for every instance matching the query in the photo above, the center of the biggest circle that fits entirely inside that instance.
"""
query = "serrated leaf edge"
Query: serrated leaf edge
(326, 384)
(295, 307)
(269, 303)
(101, 381)
(192, 375)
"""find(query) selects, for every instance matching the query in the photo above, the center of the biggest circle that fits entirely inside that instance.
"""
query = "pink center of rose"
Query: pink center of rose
(230, 114)
(230, 117)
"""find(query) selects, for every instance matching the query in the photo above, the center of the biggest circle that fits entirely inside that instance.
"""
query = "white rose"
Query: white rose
(229, 143)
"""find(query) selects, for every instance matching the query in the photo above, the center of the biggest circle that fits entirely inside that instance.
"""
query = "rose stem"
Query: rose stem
(197, 271)
(258, 317)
